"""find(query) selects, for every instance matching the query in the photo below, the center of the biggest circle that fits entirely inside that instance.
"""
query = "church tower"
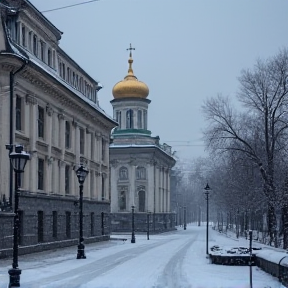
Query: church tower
(130, 105)
(139, 165)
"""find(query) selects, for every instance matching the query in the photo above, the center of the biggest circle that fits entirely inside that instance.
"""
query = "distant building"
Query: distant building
(49, 104)
(140, 166)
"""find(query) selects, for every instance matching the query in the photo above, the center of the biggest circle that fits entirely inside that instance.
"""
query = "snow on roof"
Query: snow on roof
(52, 73)
(140, 146)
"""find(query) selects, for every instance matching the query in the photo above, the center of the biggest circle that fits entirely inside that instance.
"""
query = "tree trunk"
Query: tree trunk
(272, 225)
(285, 226)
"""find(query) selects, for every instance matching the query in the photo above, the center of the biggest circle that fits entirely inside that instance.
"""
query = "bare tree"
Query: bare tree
(261, 131)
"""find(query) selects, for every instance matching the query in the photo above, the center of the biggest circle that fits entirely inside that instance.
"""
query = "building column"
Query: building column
(49, 160)
(62, 133)
(55, 176)
(98, 185)
(62, 177)
(32, 101)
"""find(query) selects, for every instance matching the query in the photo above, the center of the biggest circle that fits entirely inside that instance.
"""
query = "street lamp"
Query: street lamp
(133, 240)
(207, 190)
(81, 173)
(148, 224)
(18, 160)
(185, 218)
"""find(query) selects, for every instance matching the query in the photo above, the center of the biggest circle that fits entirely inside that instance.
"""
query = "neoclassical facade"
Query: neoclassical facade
(49, 104)
(140, 166)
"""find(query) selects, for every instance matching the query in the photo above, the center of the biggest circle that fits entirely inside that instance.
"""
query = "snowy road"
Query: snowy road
(170, 260)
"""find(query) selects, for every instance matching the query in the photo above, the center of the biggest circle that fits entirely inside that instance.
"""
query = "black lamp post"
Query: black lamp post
(207, 190)
(18, 161)
(133, 240)
(148, 224)
(81, 173)
(185, 218)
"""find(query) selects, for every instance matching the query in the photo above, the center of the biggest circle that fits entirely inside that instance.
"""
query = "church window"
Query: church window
(18, 113)
(67, 135)
(123, 173)
(139, 119)
(118, 118)
(129, 119)
(145, 120)
(40, 122)
(122, 199)
(140, 173)
(141, 195)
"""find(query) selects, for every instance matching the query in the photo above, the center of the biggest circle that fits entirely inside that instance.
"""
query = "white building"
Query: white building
(49, 104)
(140, 166)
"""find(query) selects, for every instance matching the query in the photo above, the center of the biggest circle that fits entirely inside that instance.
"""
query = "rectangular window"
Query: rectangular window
(82, 141)
(54, 224)
(42, 51)
(23, 36)
(35, 45)
(67, 179)
(40, 215)
(40, 122)
(40, 174)
(18, 113)
(49, 58)
(68, 224)
(30, 40)
(67, 135)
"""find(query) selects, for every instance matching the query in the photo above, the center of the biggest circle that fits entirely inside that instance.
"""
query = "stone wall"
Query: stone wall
(37, 231)
(158, 222)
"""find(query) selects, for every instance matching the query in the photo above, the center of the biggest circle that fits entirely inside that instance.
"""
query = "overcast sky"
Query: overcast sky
(186, 51)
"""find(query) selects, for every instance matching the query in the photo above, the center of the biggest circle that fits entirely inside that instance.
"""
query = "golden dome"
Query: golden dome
(130, 86)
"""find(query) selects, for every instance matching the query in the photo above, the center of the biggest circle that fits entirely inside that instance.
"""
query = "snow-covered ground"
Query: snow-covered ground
(171, 260)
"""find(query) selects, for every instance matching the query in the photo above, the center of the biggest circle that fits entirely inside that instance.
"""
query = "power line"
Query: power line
(64, 7)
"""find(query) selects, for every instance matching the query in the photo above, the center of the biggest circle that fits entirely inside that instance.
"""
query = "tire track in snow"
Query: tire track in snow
(172, 274)
(83, 274)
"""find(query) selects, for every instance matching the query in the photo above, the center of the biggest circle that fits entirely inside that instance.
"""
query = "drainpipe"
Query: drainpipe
(10, 146)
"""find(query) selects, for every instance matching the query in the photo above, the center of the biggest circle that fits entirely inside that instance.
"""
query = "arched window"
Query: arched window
(140, 173)
(123, 173)
(122, 199)
(129, 119)
(139, 119)
(141, 196)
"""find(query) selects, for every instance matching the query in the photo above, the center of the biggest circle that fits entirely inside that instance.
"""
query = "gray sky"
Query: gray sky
(186, 51)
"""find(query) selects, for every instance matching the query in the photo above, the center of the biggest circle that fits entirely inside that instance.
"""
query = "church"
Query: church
(140, 166)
